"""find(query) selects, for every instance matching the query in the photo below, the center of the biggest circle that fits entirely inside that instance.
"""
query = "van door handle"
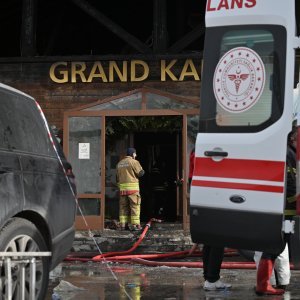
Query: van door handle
(216, 153)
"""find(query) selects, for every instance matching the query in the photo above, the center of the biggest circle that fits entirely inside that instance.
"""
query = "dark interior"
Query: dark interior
(158, 150)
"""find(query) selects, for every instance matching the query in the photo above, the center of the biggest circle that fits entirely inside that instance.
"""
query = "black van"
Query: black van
(37, 200)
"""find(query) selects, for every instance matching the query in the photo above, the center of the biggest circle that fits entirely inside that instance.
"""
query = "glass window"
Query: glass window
(85, 153)
(243, 78)
(130, 102)
(111, 190)
(89, 206)
(21, 125)
(155, 101)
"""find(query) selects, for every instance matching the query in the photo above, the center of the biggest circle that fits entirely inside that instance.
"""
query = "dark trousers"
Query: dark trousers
(159, 198)
(212, 260)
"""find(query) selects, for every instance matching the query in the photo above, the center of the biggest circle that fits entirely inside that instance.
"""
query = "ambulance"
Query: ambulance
(237, 196)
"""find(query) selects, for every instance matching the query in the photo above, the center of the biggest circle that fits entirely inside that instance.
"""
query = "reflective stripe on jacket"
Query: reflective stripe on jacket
(129, 188)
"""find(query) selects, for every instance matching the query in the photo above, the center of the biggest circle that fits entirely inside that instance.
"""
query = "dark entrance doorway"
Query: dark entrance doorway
(158, 141)
(157, 152)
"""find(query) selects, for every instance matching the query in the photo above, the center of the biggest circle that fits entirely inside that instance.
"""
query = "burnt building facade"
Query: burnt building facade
(110, 75)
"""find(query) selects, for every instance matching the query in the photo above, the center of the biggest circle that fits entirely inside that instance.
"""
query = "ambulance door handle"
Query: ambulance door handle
(216, 153)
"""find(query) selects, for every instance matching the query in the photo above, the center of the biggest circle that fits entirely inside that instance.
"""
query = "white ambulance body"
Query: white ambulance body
(238, 187)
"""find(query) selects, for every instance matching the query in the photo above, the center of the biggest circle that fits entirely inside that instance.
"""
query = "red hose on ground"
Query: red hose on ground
(123, 256)
(126, 257)
(192, 252)
(225, 265)
(179, 254)
(138, 260)
(135, 245)
(148, 256)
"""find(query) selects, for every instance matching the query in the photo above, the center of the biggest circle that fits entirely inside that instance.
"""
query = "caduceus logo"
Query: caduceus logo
(239, 79)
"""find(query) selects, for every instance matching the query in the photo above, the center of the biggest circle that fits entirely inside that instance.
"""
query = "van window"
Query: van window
(21, 125)
(243, 78)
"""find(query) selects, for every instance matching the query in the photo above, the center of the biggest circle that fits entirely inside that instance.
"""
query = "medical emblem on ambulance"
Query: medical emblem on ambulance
(239, 79)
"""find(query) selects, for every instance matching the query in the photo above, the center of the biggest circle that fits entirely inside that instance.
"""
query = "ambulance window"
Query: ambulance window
(263, 44)
(243, 78)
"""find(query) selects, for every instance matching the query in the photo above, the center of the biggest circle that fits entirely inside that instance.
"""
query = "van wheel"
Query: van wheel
(20, 235)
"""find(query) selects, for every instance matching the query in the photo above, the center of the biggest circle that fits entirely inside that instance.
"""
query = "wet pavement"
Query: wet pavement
(95, 281)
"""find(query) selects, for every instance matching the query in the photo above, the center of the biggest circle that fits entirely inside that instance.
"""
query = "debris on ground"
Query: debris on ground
(65, 286)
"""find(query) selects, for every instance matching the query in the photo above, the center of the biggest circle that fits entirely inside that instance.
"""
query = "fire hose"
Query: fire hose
(225, 265)
(127, 257)
(135, 245)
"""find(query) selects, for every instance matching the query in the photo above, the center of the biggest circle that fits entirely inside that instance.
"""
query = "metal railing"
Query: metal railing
(20, 260)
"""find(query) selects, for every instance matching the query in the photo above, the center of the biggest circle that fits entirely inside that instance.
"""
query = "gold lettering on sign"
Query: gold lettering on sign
(63, 72)
(77, 68)
(166, 70)
(114, 67)
(63, 75)
(144, 74)
(193, 72)
(97, 72)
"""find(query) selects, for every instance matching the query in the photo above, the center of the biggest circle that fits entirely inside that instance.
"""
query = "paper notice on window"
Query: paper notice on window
(84, 151)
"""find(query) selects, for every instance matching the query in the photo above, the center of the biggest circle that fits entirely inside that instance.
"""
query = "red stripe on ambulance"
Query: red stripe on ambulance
(238, 186)
(240, 169)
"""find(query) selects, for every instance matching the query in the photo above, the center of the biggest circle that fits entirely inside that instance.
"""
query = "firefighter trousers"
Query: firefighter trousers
(130, 208)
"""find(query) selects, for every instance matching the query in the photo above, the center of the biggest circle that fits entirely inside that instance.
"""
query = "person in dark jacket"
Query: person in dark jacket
(266, 264)
(212, 256)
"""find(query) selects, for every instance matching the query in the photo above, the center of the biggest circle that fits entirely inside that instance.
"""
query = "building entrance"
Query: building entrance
(158, 141)
(162, 128)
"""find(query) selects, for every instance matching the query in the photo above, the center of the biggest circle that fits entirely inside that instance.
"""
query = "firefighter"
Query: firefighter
(212, 256)
(129, 171)
(266, 264)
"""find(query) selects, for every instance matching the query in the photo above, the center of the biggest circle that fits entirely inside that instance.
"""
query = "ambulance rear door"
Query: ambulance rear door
(237, 191)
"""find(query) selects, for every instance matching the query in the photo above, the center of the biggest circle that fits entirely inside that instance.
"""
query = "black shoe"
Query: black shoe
(283, 287)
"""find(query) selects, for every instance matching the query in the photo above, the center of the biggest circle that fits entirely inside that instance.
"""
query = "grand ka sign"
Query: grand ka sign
(123, 71)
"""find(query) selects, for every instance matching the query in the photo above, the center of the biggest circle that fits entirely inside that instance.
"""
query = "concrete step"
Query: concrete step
(158, 239)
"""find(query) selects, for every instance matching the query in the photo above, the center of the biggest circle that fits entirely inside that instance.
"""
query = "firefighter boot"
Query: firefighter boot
(122, 226)
(264, 272)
